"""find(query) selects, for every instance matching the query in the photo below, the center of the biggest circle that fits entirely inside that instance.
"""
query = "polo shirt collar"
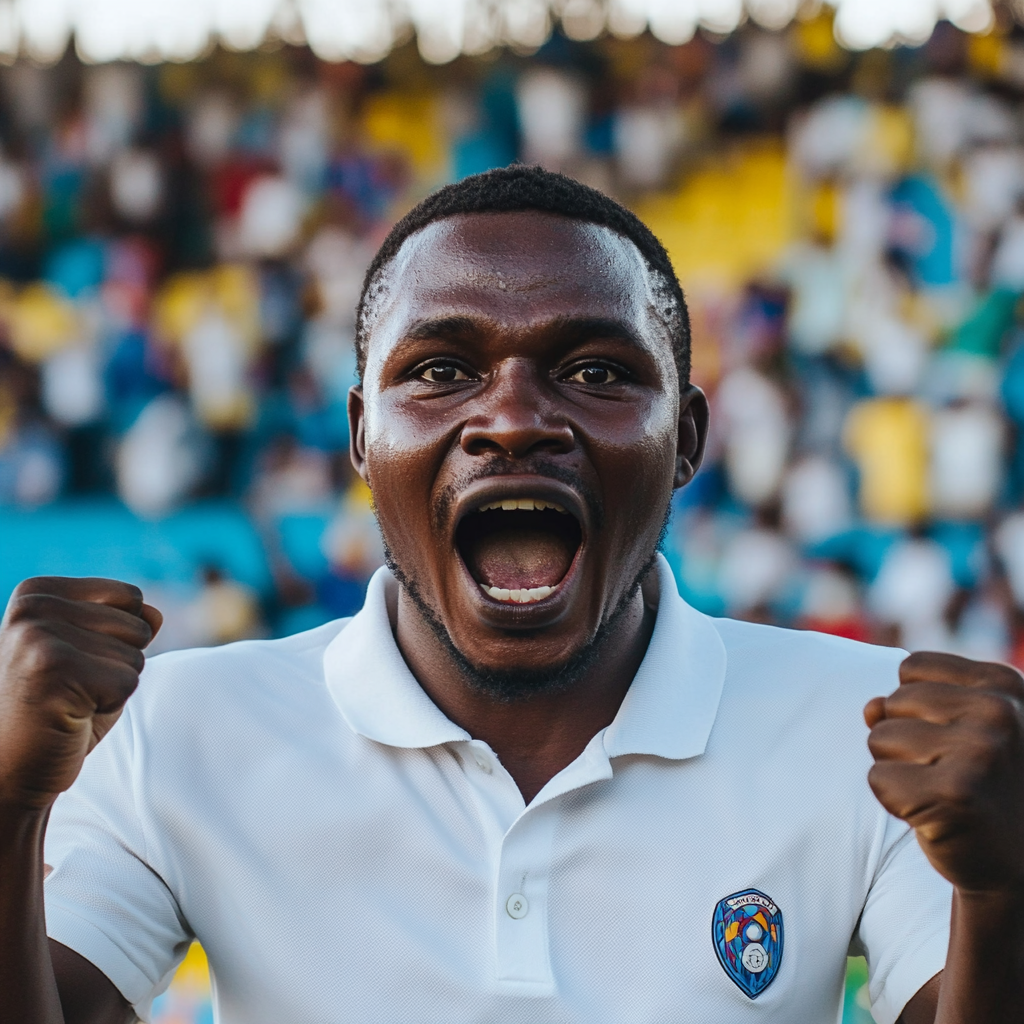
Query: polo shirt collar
(370, 682)
(668, 711)
(671, 705)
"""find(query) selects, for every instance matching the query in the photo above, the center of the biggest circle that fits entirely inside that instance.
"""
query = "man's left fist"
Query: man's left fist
(949, 760)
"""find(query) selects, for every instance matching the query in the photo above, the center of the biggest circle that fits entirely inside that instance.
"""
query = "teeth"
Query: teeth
(522, 504)
(517, 596)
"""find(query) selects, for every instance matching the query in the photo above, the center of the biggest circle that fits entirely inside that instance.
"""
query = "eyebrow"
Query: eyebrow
(578, 329)
(442, 327)
(571, 329)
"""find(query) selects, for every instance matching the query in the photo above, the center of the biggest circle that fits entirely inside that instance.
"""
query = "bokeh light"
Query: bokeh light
(366, 30)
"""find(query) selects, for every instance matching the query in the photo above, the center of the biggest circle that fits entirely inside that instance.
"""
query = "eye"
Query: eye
(595, 374)
(443, 373)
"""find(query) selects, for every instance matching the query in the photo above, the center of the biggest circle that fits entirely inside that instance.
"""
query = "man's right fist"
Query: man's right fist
(70, 656)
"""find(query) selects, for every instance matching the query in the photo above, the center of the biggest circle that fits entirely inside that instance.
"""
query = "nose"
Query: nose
(516, 416)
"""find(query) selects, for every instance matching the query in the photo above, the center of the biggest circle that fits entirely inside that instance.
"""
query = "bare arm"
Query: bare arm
(87, 995)
(984, 975)
(42, 980)
(70, 656)
(26, 973)
(921, 1009)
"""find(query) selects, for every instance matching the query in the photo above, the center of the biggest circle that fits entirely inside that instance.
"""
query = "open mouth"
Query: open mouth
(519, 549)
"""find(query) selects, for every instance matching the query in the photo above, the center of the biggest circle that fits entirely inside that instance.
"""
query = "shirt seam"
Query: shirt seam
(884, 1000)
(146, 860)
(57, 903)
(130, 723)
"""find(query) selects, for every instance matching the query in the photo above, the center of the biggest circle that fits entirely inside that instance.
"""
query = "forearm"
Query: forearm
(26, 972)
(983, 982)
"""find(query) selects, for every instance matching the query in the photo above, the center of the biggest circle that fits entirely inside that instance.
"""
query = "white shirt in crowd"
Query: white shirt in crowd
(344, 852)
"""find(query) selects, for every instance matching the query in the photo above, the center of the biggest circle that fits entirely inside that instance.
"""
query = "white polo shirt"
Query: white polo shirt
(344, 852)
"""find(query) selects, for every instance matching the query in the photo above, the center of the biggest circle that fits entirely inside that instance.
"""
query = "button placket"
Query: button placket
(520, 841)
(521, 902)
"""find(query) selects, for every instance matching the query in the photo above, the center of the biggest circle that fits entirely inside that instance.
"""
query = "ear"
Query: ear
(357, 431)
(693, 434)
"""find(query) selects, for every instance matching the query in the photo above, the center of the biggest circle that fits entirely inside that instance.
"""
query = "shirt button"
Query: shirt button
(517, 906)
(483, 764)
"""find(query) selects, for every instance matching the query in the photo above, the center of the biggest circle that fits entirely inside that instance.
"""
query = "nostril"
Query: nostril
(517, 439)
(482, 446)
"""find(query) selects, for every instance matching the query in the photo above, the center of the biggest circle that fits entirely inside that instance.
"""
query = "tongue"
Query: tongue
(519, 559)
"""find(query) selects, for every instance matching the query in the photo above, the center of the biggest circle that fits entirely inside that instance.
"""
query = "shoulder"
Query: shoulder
(790, 724)
(251, 678)
(802, 683)
(795, 658)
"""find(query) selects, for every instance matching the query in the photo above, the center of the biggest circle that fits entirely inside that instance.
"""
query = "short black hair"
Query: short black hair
(518, 188)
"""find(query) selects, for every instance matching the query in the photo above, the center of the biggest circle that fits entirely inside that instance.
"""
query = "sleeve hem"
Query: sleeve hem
(909, 976)
(85, 938)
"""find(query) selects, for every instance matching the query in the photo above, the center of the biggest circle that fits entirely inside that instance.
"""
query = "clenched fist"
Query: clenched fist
(949, 760)
(70, 656)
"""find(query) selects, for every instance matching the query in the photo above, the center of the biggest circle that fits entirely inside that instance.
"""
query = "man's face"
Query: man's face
(519, 424)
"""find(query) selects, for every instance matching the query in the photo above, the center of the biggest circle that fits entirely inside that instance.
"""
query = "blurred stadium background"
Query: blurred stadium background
(189, 196)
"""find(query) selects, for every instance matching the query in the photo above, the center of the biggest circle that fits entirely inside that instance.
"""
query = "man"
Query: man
(526, 782)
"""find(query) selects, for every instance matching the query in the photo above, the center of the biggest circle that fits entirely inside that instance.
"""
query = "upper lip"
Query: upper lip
(482, 492)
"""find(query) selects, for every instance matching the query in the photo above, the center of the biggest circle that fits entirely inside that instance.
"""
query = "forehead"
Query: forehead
(518, 270)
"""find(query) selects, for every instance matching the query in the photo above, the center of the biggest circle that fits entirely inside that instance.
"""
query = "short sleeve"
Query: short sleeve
(904, 927)
(103, 899)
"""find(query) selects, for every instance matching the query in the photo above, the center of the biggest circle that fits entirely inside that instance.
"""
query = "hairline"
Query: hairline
(656, 278)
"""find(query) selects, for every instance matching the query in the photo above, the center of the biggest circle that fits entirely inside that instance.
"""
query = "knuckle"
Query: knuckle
(27, 606)
(131, 683)
(123, 682)
(140, 632)
(900, 697)
(883, 735)
(34, 585)
(957, 795)
(916, 658)
(121, 652)
(926, 662)
(1011, 680)
(128, 590)
(878, 778)
(45, 655)
(977, 754)
(997, 712)
(959, 784)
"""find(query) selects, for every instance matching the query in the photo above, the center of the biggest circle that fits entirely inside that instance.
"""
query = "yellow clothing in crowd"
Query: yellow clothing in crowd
(888, 440)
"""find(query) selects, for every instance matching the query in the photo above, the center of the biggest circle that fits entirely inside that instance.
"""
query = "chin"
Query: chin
(512, 679)
(510, 683)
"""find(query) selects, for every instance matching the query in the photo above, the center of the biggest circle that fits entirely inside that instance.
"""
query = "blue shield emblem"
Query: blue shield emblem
(747, 932)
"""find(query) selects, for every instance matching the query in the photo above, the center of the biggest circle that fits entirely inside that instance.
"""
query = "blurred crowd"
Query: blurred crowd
(867, 464)
(182, 247)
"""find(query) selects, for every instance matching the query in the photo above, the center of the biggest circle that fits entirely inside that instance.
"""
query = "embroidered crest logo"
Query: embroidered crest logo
(747, 932)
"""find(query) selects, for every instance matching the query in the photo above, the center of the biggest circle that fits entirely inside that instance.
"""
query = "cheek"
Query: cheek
(403, 454)
(638, 469)
(394, 439)
(642, 445)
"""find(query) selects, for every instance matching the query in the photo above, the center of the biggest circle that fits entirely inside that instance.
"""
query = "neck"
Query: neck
(537, 737)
